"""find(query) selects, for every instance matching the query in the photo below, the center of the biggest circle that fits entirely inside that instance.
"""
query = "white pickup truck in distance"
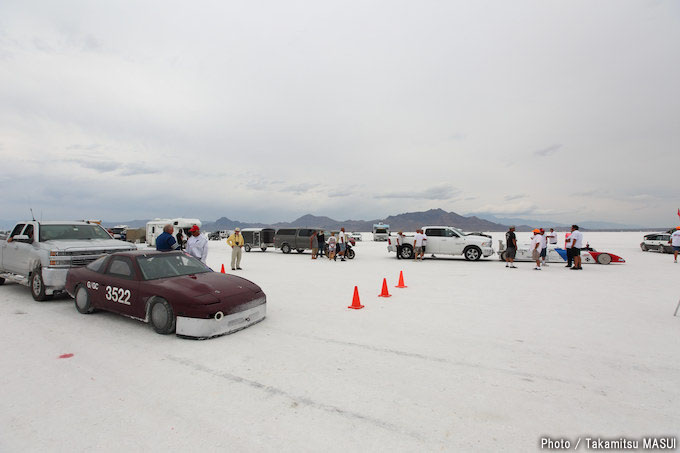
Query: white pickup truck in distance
(40, 254)
(446, 240)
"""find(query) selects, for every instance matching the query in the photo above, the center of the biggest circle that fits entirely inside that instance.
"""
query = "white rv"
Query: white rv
(381, 232)
(154, 228)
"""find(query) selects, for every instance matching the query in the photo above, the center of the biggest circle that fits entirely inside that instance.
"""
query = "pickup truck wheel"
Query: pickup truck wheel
(38, 286)
(300, 250)
(82, 301)
(407, 252)
(285, 248)
(472, 253)
(264, 249)
(162, 317)
(247, 247)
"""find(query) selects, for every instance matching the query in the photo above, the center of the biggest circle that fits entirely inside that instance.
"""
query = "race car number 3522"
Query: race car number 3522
(119, 295)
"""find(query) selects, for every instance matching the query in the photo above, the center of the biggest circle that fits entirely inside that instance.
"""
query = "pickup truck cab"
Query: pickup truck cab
(446, 240)
(40, 254)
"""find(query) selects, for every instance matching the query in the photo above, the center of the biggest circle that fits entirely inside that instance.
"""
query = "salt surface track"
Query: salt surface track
(469, 356)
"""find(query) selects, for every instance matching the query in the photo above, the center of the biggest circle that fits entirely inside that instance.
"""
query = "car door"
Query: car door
(435, 239)
(456, 243)
(302, 239)
(119, 291)
(10, 250)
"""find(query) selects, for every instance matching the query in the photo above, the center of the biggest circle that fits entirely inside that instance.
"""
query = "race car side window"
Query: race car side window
(121, 267)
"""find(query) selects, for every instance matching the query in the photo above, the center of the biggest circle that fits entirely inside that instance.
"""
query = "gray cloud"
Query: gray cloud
(440, 192)
(547, 151)
(514, 197)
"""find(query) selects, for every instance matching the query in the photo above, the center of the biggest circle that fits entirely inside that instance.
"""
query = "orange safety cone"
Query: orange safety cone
(222, 269)
(356, 303)
(384, 292)
(401, 280)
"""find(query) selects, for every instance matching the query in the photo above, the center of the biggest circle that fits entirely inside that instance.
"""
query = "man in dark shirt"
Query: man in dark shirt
(321, 238)
(166, 242)
(511, 247)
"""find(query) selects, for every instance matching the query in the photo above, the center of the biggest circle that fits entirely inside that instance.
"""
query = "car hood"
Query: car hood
(209, 283)
(88, 244)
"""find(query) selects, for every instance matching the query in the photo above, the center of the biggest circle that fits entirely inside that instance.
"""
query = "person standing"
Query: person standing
(314, 244)
(418, 245)
(567, 248)
(321, 239)
(544, 247)
(576, 243)
(510, 247)
(400, 243)
(180, 239)
(342, 243)
(675, 243)
(551, 237)
(165, 241)
(536, 244)
(197, 244)
(332, 242)
(236, 242)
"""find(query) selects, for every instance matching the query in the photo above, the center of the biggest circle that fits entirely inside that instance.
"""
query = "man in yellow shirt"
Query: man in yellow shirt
(236, 242)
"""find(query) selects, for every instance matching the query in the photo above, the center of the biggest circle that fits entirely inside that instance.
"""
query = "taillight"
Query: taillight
(389, 241)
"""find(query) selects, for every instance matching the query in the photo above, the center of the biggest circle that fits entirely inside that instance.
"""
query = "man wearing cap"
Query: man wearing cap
(536, 246)
(510, 247)
(236, 242)
(165, 241)
(675, 243)
(197, 244)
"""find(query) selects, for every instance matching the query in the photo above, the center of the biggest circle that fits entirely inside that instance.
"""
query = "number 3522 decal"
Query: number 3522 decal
(120, 295)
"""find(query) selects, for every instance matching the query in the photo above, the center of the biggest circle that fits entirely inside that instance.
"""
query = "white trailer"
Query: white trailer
(154, 228)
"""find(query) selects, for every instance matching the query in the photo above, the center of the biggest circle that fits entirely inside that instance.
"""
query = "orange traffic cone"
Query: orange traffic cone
(222, 269)
(401, 280)
(384, 292)
(356, 303)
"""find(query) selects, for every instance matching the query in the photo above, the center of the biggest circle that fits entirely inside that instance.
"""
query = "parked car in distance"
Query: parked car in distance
(656, 242)
(445, 240)
(288, 239)
(356, 236)
(214, 236)
(258, 237)
(172, 291)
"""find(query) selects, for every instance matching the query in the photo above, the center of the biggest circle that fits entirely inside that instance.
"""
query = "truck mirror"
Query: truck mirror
(21, 238)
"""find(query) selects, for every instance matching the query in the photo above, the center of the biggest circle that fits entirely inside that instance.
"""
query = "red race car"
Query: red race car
(171, 290)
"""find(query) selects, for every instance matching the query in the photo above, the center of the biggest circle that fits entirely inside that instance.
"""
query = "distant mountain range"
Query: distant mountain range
(586, 224)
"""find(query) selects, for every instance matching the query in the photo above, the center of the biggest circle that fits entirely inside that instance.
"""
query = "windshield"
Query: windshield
(61, 232)
(381, 230)
(169, 265)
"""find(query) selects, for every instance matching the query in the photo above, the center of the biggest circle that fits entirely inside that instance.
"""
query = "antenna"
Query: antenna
(32, 215)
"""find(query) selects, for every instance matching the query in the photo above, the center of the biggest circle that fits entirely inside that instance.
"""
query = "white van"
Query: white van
(381, 232)
(154, 228)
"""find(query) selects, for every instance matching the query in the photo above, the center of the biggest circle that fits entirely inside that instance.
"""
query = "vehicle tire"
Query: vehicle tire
(350, 254)
(300, 250)
(667, 249)
(264, 249)
(604, 258)
(503, 256)
(407, 252)
(472, 253)
(285, 248)
(161, 316)
(247, 247)
(82, 300)
(37, 285)
(644, 247)
(2, 281)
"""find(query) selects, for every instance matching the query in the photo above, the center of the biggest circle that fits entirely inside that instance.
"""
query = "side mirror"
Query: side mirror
(22, 238)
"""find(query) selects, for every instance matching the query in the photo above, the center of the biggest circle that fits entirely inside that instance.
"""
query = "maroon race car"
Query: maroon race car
(171, 290)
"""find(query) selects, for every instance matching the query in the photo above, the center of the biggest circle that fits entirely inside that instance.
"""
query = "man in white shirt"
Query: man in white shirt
(400, 243)
(197, 244)
(536, 247)
(551, 236)
(342, 243)
(418, 244)
(675, 243)
(576, 243)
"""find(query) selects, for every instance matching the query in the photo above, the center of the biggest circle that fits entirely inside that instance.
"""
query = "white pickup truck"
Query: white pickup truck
(39, 254)
(446, 240)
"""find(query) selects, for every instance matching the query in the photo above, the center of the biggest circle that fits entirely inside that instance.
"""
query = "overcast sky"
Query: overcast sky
(266, 110)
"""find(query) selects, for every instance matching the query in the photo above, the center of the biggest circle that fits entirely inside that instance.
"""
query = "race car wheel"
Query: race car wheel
(407, 252)
(285, 248)
(162, 317)
(472, 253)
(604, 258)
(264, 249)
(300, 250)
(350, 254)
(504, 256)
(247, 247)
(82, 301)
(38, 286)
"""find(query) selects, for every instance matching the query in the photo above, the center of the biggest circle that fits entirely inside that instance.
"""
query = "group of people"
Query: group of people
(419, 244)
(573, 244)
(336, 245)
(197, 244)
